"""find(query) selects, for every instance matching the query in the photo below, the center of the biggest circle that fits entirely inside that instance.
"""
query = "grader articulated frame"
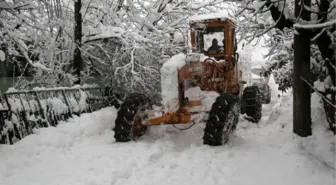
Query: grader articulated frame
(219, 72)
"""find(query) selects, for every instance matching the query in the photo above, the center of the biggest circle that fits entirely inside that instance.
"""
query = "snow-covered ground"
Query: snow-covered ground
(83, 152)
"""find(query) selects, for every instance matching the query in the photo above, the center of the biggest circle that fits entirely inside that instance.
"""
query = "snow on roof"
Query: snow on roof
(218, 15)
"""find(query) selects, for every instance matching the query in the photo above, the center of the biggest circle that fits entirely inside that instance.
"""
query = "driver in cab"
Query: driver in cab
(215, 48)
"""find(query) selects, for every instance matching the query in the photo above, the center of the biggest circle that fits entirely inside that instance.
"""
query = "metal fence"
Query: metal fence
(22, 112)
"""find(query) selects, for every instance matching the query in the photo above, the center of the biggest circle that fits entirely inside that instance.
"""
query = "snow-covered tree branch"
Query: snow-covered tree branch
(277, 20)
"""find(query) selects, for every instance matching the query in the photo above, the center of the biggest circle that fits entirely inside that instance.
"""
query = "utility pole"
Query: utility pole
(301, 105)
(77, 65)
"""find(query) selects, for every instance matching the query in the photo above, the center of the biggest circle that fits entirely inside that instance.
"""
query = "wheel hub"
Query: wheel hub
(138, 128)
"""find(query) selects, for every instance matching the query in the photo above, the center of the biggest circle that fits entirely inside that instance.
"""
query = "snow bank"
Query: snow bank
(83, 152)
(274, 86)
(322, 144)
(48, 145)
(169, 81)
(320, 147)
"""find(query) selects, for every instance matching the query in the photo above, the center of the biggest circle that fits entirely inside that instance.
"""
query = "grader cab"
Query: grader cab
(206, 68)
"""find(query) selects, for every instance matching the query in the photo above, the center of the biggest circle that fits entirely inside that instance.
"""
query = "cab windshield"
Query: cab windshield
(214, 42)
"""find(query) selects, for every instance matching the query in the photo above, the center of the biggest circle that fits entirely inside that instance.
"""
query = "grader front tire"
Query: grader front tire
(128, 124)
(222, 120)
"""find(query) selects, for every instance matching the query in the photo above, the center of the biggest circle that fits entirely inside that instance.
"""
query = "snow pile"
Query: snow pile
(169, 81)
(274, 86)
(320, 147)
(194, 93)
(207, 98)
(49, 146)
(322, 144)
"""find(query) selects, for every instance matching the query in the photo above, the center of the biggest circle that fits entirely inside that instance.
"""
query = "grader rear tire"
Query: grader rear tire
(222, 120)
(251, 103)
(128, 124)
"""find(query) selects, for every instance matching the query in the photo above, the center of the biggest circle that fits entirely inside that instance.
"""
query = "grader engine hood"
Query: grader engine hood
(186, 68)
(193, 64)
(169, 82)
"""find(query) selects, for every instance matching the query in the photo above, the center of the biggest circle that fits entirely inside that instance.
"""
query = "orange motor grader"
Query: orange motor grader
(218, 71)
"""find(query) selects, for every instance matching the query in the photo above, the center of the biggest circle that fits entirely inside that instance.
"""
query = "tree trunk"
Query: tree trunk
(301, 90)
(78, 41)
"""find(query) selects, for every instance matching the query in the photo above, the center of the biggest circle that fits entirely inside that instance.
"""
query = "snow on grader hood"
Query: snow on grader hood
(203, 85)
(170, 88)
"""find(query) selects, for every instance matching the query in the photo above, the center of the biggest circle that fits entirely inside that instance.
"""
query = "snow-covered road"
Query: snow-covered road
(83, 152)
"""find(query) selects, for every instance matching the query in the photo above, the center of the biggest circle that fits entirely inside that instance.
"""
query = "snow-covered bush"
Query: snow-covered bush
(128, 63)
(37, 40)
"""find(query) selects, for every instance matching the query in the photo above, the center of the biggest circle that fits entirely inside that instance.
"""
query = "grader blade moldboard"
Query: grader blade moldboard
(25, 111)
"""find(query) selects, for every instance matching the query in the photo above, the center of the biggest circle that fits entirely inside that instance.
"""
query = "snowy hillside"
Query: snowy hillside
(83, 152)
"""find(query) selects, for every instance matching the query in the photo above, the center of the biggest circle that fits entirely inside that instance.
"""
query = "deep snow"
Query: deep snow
(83, 152)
